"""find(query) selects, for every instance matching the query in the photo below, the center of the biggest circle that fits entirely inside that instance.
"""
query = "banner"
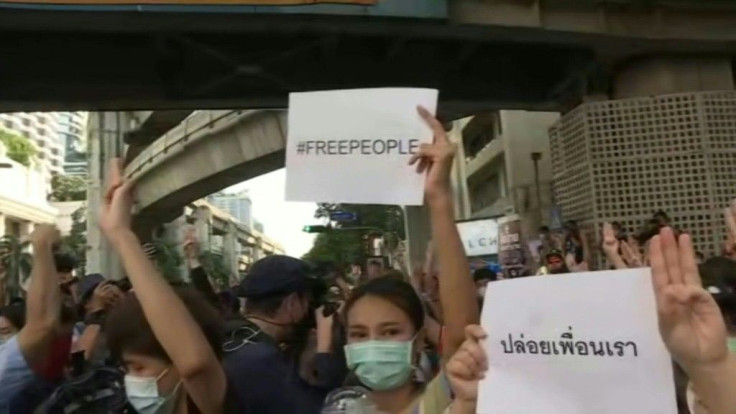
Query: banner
(479, 237)
(203, 2)
(511, 250)
(577, 343)
(354, 146)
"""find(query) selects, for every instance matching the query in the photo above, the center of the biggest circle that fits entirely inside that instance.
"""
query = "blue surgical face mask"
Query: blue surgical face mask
(381, 365)
(143, 395)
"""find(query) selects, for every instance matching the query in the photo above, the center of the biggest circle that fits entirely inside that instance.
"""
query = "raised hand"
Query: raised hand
(690, 321)
(435, 158)
(610, 242)
(631, 253)
(730, 215)
(115, 212)
(45, 235)
(468, 365)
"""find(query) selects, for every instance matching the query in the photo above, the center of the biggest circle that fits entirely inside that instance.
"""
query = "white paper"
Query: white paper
(613, 306)
(323, 163)
(479, 237)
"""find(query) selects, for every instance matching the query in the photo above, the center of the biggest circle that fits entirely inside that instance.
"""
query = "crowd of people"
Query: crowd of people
(374, 342)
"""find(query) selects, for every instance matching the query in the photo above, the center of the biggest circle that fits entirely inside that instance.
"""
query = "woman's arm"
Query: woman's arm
(457, 290)
(172, 324)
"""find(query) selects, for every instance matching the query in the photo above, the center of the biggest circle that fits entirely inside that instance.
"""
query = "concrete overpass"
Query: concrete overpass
(207, 152)
(501, 54)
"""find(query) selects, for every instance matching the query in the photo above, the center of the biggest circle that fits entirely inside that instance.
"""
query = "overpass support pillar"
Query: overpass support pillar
(231, 250)
(105, 134)
(175, 234)
(418, 235)
(203, 227)
(665, 142)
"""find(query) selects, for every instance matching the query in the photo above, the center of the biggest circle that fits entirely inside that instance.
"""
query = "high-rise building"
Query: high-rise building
(72, 133)
(42, 129)
(237, 205)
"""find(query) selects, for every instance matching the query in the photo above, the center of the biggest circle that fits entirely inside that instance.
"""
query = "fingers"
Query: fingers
(687, 261)
(437, 128)
(660, 277)
(475, 333)
(608, 231)
(730, 217)
(671, 255)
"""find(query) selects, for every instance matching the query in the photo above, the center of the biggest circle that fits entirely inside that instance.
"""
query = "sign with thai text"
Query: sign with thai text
(480, 237)
(576, 343)
(354, 146)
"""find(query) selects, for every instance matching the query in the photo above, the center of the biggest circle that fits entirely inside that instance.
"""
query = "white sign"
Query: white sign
(577, 343)
(480, 237)
(354, 146)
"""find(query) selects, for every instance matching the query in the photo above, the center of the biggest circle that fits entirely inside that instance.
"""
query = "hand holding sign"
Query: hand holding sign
(435, 158)
(690, 321)
(468, 365)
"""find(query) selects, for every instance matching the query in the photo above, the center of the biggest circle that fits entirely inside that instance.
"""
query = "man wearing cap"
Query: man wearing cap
(555, 263)
(265, 378)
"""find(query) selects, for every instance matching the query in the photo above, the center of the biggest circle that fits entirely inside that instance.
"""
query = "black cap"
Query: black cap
(87, 285)
(275, 275)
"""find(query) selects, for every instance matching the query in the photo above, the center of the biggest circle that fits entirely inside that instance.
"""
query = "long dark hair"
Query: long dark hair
(396, 291)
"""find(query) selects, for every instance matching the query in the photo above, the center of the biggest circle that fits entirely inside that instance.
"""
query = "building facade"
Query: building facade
(42, 129)
(72, 132)
(22, 198)
(508, 168)
(662, 140)
(238, 205)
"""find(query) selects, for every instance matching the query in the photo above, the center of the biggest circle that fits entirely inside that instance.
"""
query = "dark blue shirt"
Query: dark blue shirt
(266, 381)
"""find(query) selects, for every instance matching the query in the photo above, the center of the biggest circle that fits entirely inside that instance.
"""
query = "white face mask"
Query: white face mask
(143, 395)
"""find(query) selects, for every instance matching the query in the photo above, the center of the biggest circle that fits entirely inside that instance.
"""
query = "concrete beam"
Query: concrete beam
(153, 124)
(211, 151)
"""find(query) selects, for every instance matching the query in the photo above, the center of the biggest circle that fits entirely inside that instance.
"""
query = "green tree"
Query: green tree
(169, 260)
(16, 262)
(344, 245)
(216, 268)
(76, 241)
(20, 149)
(68, 188)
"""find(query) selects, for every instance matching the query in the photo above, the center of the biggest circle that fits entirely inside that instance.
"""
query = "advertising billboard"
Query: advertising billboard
(479, 237)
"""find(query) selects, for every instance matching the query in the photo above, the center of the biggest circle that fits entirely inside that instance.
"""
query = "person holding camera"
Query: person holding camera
(263, 370)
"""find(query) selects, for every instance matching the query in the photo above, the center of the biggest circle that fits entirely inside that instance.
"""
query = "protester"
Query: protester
(12, 320)
(43, 309)
(278, 293)
(96, 299)
(171, 351)
(691, 326)
(556, 263)
(385, 317)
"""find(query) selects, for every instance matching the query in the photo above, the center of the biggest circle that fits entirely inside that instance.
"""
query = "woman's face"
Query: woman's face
(149, 367)
(7, 330)
(376, 319)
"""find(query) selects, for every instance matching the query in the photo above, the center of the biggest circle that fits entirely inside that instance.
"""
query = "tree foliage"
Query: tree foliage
(68, 188)
(16, 261)
(344, 245)
(76, 241)
(215, 266)
(20, 149)
(168, 260)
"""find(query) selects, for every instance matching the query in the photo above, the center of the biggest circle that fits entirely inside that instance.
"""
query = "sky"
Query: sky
(282, 221)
